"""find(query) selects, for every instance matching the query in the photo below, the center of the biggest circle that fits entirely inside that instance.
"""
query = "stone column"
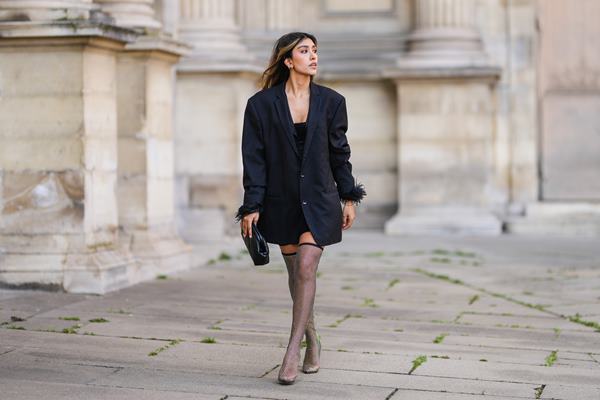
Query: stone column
(145, 92)
(213, 83)
(210, 26)
(167, 12)
(58, 148)
(445, 35)
(131, 13)
(446, 126)
(263, 21)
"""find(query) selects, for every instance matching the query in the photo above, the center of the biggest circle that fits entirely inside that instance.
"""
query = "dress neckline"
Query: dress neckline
(287, 105)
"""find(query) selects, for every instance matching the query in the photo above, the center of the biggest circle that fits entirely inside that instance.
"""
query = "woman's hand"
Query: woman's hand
(349, 215)
(247, 221)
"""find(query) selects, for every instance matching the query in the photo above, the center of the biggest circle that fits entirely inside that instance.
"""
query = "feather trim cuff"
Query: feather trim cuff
(244, 210)
(356, 194)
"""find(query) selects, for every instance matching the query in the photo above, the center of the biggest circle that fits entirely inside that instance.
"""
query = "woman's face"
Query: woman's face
(304, 58)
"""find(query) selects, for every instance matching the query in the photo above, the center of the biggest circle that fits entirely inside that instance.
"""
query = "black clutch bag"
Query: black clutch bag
(257, 246)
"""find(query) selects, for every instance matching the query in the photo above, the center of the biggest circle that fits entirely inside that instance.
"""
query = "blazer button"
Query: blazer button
(302, 176)
(303, 202)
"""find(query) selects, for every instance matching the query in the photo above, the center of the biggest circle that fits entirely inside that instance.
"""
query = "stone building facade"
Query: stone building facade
(120, 122)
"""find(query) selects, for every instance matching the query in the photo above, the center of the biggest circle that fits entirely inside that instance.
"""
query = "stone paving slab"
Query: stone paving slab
(31, 390)
(464, 369)
(555, 391)
(15, 365)
(432, 383)
(241, 386)
(381, 302)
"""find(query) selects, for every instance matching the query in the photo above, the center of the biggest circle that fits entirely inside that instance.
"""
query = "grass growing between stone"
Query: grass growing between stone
(417, 362)
(72, 329)
(215, 326)
(339, 321)
(69, 318)
(392, 283)
(438, 276)
(369, 302)
(99, 320)
(165, 347)
(577, 319)
(444, 260)
(538, 391)
(440, 338)
(556, 332)
(540, 307)
(464, 257)
(551, 359)
(119, 311)
(208, 340)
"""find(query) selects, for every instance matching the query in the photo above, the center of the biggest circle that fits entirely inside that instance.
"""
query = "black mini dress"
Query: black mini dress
(298, 223)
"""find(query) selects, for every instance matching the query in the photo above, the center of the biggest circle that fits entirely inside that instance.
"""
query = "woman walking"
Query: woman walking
(296, 171)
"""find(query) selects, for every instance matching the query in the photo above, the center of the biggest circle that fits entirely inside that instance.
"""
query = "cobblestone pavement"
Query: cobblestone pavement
(400, 318)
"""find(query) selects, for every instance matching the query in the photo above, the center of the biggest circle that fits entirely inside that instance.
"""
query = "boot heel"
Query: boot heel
(313, 369)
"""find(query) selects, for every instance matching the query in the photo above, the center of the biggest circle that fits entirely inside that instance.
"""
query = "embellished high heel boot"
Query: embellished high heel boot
(289, 380)
(309, 368)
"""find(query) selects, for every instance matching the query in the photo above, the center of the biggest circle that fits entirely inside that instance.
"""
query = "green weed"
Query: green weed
(163, 348)
(99, 320)
(538, 391)
(69, 318)
(417, 362)
(392, 283)
(369, 302)
(440, 338)
(577, 319)
(72, 329)
(551, 359)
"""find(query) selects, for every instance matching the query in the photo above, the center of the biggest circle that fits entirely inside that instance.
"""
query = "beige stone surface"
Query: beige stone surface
(492, 341)
(446, 142)
(491, 123)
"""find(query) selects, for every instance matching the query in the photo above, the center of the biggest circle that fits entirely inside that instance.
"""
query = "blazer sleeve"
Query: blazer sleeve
(254, 164)
(339, 156)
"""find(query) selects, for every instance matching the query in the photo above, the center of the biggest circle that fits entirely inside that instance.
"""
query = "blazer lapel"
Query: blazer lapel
(313, 116)
(287, 123)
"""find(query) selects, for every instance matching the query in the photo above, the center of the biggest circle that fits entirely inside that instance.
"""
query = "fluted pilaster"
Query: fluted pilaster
(210, 26)
(281, 14)
(131, 13)
(445, 34)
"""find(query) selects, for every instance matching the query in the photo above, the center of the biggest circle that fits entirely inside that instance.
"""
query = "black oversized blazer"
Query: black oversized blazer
(273, 178)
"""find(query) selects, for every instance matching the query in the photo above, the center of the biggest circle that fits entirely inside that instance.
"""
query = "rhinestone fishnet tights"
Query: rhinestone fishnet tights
(302, 271)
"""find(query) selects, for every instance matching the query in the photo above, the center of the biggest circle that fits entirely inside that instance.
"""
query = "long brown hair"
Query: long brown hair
(277, 71)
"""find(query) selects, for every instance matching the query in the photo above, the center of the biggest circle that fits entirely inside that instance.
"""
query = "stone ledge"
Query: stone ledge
(59, 29)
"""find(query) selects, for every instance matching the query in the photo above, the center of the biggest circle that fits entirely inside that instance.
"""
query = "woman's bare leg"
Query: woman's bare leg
(308, 256)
